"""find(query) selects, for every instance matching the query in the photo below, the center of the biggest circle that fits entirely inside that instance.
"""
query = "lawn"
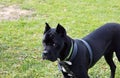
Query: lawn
(20, 38)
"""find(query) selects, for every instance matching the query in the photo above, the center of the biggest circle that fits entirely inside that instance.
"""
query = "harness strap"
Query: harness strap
(89, 50)
(73, 52)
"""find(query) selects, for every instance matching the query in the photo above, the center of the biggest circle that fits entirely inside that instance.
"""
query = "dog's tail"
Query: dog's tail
(118, 56)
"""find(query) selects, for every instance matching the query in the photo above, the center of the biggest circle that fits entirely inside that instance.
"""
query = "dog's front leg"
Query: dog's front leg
(65, 75)
(81, 72)
(82, 76)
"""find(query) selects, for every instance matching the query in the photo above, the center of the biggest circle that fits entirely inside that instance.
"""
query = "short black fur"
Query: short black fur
(104, 42)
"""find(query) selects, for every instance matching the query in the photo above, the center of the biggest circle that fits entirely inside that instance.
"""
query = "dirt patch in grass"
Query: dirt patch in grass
(13, 12)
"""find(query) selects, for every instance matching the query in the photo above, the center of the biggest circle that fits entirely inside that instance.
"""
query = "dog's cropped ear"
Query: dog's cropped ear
(47, 27)
(60, 30)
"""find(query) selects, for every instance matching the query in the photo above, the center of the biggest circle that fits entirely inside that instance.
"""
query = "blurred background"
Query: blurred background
(22, 25)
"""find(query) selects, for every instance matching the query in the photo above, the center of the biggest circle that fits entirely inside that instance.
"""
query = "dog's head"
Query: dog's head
(53, 42)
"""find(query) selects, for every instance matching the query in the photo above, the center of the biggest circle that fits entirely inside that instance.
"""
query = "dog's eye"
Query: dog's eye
(51, 44)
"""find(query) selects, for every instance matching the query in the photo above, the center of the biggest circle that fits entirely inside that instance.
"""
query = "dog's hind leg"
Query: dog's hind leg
(118, 54)
(109, 60)
(116, 44)
(117, 49)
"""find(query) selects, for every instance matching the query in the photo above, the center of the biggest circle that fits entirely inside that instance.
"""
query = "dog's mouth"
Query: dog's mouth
(44, 57)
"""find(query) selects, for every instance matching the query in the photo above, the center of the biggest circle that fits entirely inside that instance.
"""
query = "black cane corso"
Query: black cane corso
(76, 56)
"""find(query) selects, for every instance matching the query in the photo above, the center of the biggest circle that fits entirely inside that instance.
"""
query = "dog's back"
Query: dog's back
(104, 39)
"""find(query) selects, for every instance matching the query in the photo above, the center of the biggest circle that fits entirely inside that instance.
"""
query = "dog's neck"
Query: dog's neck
(67, 46)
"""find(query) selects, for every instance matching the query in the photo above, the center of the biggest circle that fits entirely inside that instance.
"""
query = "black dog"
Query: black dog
(75, 57)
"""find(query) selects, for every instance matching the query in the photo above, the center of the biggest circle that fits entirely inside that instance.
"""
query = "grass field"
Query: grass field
(20, 40)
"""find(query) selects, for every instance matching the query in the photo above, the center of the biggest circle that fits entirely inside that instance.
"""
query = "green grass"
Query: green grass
(20, 40)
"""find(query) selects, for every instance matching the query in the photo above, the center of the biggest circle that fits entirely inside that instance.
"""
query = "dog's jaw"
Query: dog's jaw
(45, 57)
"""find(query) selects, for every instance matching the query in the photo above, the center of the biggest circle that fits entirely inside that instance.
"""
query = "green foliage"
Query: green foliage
(20, 40)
